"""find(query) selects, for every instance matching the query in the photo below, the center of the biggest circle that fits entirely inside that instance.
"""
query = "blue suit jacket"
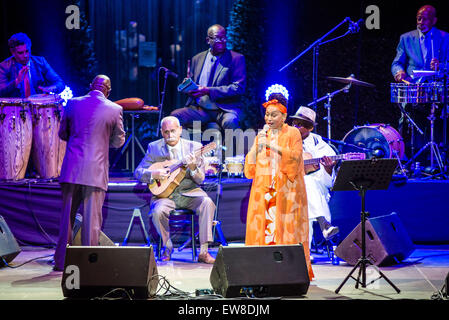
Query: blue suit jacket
(409, 56)
(229, 79)
(42, 74)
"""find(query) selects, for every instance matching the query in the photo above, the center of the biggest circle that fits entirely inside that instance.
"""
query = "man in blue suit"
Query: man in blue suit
(425, 48)
(23, 74)
(221, 76)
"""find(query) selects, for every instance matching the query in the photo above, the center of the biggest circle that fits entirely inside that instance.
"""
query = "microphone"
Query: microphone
(265, 129)
(354, 27)
(169, 72)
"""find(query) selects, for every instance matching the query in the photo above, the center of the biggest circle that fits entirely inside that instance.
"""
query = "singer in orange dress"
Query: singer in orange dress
(277, 208)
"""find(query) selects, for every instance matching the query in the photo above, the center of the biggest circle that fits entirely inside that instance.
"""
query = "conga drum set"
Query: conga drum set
(29, 130)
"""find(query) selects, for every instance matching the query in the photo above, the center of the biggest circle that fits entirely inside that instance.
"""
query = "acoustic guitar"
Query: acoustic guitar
(163, 188)
(310, 164)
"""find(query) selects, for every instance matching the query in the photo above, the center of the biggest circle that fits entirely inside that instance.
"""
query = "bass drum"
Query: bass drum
(376, 140)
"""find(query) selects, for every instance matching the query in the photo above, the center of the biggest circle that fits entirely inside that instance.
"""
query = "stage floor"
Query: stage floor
(418, 277)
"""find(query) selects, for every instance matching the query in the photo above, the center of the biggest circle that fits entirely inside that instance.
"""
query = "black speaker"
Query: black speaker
(261, 271)
(95, 271)
(9, 248)
(387, 242)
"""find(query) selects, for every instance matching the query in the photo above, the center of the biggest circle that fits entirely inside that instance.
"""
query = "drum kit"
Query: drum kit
(29, 128)
(380, 140)
(431, 93)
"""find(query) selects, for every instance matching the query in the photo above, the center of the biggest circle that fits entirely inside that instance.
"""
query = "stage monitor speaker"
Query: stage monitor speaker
(9, 248)
(96, 271)
(260, 271)
(387, 242)
(102, 241)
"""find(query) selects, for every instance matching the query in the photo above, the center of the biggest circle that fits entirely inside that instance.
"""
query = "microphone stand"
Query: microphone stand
(217, 223)
(161, 102)
(315, 47)
(328, 106)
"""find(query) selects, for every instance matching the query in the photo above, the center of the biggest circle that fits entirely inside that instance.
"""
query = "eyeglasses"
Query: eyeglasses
(218, 39)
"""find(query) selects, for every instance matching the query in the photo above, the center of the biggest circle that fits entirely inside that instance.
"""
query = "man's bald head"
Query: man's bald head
(426, 18)
(216, 39)
(101, 83)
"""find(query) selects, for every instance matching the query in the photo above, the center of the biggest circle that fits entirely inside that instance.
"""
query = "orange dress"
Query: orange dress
(281, 176)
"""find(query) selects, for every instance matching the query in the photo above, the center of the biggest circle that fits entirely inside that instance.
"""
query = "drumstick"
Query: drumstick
(405, 81)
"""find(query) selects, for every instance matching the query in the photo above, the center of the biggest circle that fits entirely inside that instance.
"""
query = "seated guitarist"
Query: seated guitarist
(319, 178)
(187, 195)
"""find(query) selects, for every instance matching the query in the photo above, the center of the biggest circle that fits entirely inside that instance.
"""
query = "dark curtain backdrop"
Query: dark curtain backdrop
(177, 27)
(287, 27)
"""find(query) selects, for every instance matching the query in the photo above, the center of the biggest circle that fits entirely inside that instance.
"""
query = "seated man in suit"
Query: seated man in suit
(187, 195)
(221, 76)
(23, 74)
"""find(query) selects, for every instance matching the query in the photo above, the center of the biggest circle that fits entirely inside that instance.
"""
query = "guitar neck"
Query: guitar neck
(197, 153)
(317, 160)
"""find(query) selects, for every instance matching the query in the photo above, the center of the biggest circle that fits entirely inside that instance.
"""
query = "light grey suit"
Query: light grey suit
(188, 195)
(90, 125)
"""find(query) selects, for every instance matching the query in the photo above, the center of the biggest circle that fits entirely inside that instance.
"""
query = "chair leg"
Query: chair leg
(192, 234)
(159, 249)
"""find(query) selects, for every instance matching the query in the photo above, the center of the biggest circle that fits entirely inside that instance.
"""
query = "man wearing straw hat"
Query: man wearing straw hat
(320, 179)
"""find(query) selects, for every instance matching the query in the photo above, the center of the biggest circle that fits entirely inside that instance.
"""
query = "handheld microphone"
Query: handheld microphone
(169, 72)
(265, 129)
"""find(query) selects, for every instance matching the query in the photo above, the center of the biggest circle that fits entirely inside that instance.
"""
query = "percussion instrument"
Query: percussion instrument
(48, 149)
(15, 138)
(212, 166)
(376, 140)
(131, 103)
(234, 166)
(416, 92)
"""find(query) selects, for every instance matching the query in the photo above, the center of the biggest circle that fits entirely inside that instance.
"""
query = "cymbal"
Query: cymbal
(352, 80)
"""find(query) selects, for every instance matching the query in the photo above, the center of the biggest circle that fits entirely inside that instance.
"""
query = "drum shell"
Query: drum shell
(377, 136)
(212, 166)
(416, 92)
(48, 149)
(15, 141)
(234, 166)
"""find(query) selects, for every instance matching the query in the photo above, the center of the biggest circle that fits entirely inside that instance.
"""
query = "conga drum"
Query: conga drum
(15, 138)
(48, 149)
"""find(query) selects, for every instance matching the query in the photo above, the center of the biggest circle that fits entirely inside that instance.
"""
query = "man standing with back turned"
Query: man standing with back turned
(90, 125)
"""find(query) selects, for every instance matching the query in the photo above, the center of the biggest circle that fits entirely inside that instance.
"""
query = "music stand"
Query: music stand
(363, 175)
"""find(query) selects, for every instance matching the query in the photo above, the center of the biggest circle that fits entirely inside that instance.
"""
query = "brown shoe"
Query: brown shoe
(206, 258)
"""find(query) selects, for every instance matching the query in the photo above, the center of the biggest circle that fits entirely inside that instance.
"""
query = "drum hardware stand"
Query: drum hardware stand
(434, 151)
(353, 28)
(411, 124)
(328, 106)
(363, 175)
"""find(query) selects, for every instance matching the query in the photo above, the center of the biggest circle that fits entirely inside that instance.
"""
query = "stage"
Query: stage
(31, 209)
